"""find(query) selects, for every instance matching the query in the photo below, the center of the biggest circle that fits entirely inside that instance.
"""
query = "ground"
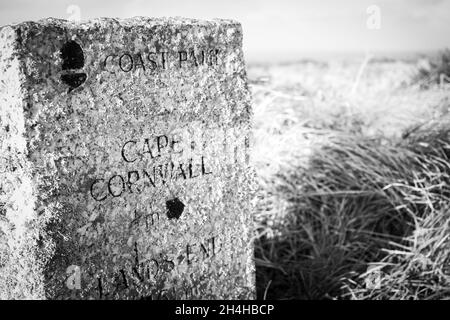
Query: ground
(352, 166)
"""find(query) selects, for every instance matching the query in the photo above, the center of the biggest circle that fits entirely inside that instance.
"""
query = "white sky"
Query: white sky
(279, 27)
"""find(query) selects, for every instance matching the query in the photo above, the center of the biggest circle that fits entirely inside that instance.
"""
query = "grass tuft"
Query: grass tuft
(346, 215)
(434, 71)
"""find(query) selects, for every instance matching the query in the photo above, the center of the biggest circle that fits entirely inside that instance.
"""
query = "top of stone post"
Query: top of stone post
(128, 22)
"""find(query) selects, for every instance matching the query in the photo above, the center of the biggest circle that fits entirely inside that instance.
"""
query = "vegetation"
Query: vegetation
(353, 201)
(435, 70)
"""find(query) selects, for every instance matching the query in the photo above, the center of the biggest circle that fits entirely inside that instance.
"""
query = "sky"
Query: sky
(281, 29)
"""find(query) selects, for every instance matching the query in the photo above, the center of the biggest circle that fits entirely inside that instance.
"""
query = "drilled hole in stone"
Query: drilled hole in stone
(174, 208)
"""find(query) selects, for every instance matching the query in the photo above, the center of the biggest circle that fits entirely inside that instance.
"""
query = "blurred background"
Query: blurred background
(351, 138)
(279, 30)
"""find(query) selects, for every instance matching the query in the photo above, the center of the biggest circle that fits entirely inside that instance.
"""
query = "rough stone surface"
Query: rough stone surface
(124, 160)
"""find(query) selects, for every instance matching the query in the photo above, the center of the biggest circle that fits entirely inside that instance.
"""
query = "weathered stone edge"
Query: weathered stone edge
(20, 271)
(128, 22)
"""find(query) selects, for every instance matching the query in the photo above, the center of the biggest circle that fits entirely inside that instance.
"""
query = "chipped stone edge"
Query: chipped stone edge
(134, 21)
(20, 270)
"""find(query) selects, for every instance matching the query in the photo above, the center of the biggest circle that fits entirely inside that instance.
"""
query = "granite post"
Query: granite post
(124, 160)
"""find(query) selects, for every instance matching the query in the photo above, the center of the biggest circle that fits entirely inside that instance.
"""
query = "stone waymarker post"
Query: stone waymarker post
(125, 160)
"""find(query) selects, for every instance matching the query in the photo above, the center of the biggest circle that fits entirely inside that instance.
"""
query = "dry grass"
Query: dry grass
(354, 188)
(434, 71)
